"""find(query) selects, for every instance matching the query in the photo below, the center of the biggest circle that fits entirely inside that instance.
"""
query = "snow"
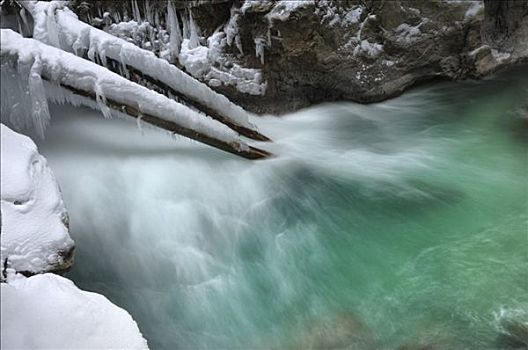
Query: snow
(354, 15)
(34, 235)
(283, 9)
(202, 63)
(77, 36)
(473, 9)
(368, 48)
(408, 33)
(83, 75)
(49, 312)
(194, 59)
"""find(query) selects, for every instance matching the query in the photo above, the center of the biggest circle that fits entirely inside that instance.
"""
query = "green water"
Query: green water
(397, 224)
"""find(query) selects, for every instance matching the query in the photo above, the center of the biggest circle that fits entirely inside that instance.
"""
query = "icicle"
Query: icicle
(175, 39)
(14, 93)
(135, 11)
(194, 36)
(123, 64)
(186, 31)
(231, 30)
(19, 25)
(138, 122)
(157, 20)
(39, 104)
(24, 20)
(80, 44)
(51, 26)
(101, 101)
(101, 51)
(260, 44)
(148, 12)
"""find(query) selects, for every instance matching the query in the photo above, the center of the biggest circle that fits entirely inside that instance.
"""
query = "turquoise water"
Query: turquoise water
(397, 224)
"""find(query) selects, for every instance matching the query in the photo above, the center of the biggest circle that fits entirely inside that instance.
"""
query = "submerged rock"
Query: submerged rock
(339, 331)
(35, 236)
(513, 329)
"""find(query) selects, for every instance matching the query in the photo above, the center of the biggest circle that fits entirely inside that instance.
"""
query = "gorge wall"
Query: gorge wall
(279, 56)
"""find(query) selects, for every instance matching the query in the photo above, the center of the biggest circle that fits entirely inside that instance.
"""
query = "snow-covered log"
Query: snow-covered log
(89, 80)
(76, 36)
(35, 236)
(49, 312)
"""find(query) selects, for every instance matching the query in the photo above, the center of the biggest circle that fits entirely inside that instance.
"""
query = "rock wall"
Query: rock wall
(279, 56)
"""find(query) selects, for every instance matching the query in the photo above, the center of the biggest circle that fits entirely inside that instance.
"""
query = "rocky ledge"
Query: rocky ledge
(279, 56)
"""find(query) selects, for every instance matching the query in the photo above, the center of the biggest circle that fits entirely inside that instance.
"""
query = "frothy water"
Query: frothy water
(402, 223)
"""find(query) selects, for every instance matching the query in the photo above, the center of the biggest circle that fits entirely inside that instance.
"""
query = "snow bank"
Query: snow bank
(77, 36)
(81, 74)
(49, 312)
(34, 234)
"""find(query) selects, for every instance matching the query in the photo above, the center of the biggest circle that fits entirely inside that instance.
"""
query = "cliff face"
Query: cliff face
(279, 56)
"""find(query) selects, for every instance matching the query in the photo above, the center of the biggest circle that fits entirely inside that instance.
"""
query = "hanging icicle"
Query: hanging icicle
(194, 38)
(175, 39)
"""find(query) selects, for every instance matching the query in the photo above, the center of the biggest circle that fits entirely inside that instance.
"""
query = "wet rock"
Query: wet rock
(340, 331)
(513, 335)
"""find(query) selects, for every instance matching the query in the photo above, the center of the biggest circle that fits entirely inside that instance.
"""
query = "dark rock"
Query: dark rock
(358, 50)
(514, 334)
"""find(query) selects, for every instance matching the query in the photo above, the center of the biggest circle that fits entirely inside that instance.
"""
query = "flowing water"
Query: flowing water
(402, 223)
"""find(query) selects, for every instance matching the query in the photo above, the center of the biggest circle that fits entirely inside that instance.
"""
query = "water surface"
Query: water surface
(375, 227)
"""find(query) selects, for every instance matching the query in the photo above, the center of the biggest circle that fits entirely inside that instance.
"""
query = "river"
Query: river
(402, 223)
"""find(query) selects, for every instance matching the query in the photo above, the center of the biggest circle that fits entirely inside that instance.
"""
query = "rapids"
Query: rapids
(401, 223)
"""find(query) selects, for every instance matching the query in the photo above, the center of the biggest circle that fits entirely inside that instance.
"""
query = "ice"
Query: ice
(194, 40)
(260, 44)
(135, 11)
(23, 96)
(231, 30)
(174, 29)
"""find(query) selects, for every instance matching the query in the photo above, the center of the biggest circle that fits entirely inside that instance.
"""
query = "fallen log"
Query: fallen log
(247, 152)
(79, 37)
(162, 88)
(32, 61)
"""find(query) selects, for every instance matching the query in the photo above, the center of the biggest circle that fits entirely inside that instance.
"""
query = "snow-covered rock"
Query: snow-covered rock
(49, 312)
(46, 311)
(35, 235)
